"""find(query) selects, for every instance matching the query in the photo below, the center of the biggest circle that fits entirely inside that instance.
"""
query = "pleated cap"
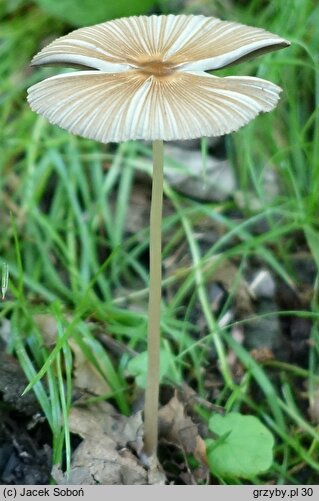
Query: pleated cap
(146, 78)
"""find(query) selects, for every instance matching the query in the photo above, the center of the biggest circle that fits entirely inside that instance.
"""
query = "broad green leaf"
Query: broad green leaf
(86, 12)
(137, 367)
(243, 449)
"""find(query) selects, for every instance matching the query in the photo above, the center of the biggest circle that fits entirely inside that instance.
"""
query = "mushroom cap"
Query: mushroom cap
(147, 79)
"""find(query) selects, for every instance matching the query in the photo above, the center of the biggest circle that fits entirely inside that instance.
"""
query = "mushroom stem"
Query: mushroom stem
(153, 369)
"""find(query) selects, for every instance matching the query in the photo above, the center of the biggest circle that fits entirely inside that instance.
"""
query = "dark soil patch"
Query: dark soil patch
(25, 456)
(25, 453)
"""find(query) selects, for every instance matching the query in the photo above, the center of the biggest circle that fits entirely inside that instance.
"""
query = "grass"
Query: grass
(64, 206)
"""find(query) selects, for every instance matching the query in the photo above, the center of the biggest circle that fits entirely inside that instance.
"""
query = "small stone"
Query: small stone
(213, 183)
(263, 285)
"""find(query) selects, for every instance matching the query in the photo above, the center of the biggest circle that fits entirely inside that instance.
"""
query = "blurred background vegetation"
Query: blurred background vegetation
(76, 259)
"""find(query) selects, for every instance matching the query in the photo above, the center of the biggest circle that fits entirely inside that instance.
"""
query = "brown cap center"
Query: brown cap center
(156, 67)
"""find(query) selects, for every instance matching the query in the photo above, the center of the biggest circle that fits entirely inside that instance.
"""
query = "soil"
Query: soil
(25, 438)
(25, 454)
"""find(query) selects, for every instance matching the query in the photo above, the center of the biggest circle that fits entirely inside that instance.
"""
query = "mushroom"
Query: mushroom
(148, 80)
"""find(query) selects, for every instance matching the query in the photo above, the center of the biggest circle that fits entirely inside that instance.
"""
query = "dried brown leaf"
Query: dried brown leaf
(178, 428)
(48, 328)
(106, 454)
(86, 376)
(102, 418)
(262, 354)
(97, 461)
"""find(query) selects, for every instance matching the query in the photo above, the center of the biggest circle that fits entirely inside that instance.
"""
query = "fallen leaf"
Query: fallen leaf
(191, 398)
(103, 418)
(97, 461)
(214, 182)
(86, 376)
(106, 454)
(262, 354)
(178, 428)
(48, 328)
